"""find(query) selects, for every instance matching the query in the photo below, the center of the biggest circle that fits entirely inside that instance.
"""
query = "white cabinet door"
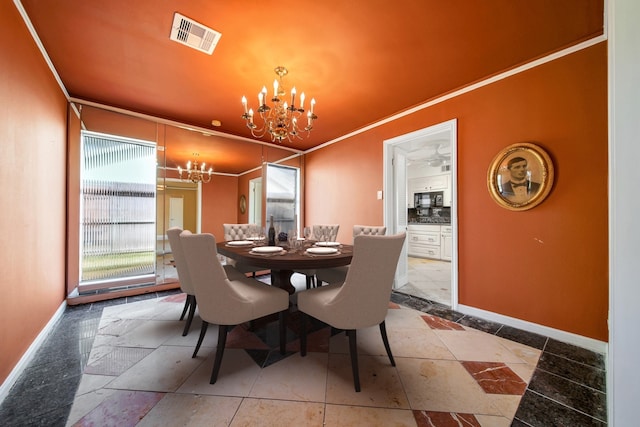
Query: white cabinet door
(446, 245)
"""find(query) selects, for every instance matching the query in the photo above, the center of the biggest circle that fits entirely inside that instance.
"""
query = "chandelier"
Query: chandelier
(280, 120)
(195, 172)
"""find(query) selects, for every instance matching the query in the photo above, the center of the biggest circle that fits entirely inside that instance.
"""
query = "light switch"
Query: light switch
(379, 194)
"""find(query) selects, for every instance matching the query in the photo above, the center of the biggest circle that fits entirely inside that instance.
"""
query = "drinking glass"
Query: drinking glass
(307, 233)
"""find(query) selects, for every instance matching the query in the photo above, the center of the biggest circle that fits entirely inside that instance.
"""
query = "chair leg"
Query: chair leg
(222, 340)
(203, 332)
(283, 331)
(303, 334)
(192, 310)
(187, 302)
(385, 340)
(353, 350)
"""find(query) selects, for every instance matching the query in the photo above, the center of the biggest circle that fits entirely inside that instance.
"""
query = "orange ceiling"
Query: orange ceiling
(362, 60)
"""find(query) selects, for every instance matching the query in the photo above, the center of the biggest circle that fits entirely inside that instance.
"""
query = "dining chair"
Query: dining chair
(338, 274)
(362, 300)
(225, 302)
(327, 232)
(183, 275)
(241, 232)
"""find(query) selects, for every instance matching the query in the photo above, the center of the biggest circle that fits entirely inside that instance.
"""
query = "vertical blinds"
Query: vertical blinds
(118, 210)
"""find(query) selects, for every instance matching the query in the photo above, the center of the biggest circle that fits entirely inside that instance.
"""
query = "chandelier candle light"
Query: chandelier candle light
(195, 174)
(281, 120)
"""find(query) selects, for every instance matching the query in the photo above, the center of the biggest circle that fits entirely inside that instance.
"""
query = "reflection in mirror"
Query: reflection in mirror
(237, 170)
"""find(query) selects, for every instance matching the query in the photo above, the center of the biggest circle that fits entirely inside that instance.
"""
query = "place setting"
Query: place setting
(268, 250)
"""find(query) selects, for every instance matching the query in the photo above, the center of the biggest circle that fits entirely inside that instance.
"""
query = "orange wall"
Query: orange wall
(219, 204)
(33, 121)
(547, 265)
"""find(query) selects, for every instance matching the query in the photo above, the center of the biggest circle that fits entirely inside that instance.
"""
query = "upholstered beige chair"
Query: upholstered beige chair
(338, 274)
(240, 232)
(362, 300)
(183, 275)
(226, 302)
(320, 232)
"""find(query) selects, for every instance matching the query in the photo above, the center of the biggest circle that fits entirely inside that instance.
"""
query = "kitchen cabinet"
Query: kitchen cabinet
(430, 241)
(446, 242)
(424, 241)
(430, 183)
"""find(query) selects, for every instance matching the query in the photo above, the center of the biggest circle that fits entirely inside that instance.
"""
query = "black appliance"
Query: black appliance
(431, 199)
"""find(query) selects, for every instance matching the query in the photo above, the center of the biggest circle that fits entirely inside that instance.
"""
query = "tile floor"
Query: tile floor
(429, 279)
(125, 363)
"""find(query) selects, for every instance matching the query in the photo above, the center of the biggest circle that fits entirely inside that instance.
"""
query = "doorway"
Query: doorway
(424, 161)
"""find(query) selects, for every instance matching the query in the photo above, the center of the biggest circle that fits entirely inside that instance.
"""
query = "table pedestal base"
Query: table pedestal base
(282, 279)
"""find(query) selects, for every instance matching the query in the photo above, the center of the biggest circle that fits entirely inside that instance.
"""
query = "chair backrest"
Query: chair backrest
(369, 230)
(364, 297)
(178, 257)
(215, 293)
(320, 230)
(238, 231)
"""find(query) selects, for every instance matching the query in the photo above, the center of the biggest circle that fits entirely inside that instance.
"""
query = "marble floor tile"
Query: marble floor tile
(121, 408)
(379, 381)
(238, 373)
(262, 412)
(192, 410)
(474, 345)
(443, 386)
(496, 378)
(294, 378)
(349, 416)
(164, 370)
(117, 361)
(147, 375)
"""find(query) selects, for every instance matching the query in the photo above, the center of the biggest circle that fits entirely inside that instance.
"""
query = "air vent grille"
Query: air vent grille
(193, 34)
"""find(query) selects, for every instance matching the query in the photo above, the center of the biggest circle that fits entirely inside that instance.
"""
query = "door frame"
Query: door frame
(391, 186)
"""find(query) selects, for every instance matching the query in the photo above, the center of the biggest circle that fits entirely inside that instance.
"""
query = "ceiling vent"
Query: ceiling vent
(193, 34)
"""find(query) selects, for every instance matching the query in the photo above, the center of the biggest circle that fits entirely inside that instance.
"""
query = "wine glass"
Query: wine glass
(307, 233)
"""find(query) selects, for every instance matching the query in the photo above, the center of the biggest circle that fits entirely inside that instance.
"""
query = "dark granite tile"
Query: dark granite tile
(444, 312)
(518, 423)
(480, 324)
(569, 393)
(28, 405)
(142, 297)
(399, 298)
(48, 373)
(522, 337)
(575, 353)
(538, 411)
(574, 371)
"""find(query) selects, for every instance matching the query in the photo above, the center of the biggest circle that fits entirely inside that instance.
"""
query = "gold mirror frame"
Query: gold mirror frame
(243, 204)
(538, 176)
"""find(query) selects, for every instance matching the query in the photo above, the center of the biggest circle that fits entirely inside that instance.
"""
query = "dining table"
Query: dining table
(283, 261)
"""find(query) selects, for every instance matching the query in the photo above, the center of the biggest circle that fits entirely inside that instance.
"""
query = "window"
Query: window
(283, 200)
(118, 212)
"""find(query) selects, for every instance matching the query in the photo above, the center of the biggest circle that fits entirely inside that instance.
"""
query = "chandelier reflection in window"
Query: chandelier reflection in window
(280, 120)
(195, 172)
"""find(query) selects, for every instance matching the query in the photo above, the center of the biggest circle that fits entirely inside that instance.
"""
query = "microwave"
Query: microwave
(429, 200)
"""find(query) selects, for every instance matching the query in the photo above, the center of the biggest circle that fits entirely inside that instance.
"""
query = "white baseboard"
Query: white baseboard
(30, 353)
(568, 337)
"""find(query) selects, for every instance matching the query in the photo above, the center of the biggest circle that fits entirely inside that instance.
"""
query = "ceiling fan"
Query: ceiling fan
(437, 159)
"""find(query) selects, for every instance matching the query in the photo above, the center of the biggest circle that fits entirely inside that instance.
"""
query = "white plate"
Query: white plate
(322, 251)
(266, 249)
(328, 244)
(239, 243)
